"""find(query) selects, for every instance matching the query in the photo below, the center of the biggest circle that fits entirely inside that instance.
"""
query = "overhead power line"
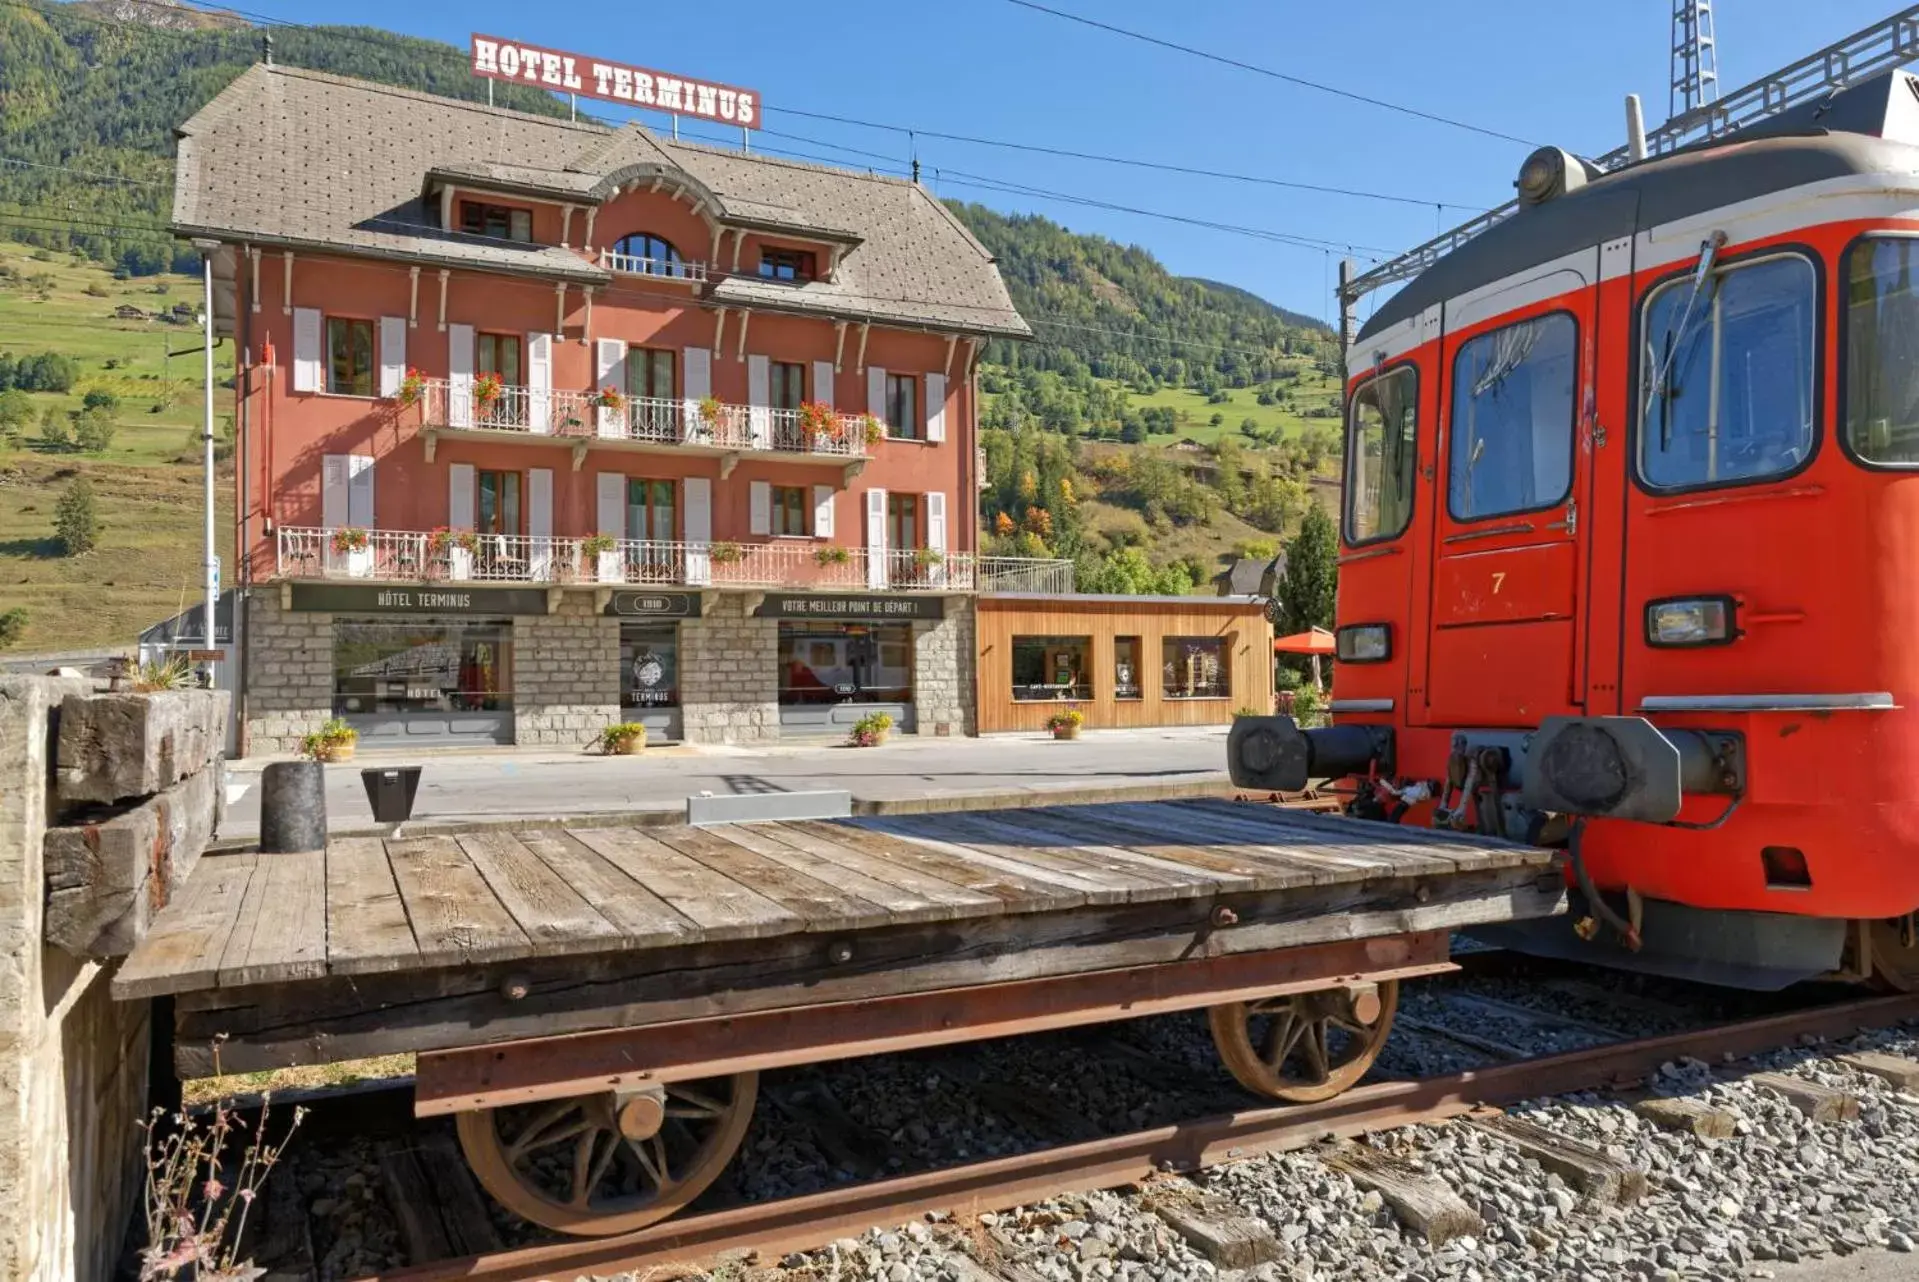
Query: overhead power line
(1303, 83)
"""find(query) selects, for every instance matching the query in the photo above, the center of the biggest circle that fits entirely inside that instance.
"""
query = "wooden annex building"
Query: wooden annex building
(1122, 661)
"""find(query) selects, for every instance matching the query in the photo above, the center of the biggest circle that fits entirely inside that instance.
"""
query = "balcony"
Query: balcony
(397, 556)
(658, 268)
(581, 420)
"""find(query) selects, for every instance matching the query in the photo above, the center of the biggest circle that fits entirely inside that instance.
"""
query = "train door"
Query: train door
(1508, 527)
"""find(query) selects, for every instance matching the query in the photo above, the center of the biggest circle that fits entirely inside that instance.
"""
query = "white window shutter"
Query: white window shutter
(876, 392)
(696, 377)
(823, 382)
(539, 383)
(876, 576)
(936, 407)
(359, 490)
(760, 505)
(936, 537)
(759, 398)
(306, 349)
(333, 492)
(392, 354)
(823, 511)
(697, 491)
(612, 492)
(609, 365)
(459, 376)
(460, 497)
(539, 522)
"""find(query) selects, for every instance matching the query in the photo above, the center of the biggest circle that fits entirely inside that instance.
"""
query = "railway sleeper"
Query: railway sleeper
(1583, 1166)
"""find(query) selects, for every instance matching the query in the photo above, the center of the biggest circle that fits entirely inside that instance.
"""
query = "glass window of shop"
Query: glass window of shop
(823, 663)
(1126, 668)
(649, 666)
(1194, 668)
(422, 667)
(1052, 668)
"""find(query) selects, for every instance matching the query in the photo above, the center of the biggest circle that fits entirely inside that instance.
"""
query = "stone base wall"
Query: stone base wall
(289, 660)
(566, 675)
(944, 655)
(729, 675)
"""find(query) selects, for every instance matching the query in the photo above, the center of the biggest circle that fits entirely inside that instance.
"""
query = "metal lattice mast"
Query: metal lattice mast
(1695, 62)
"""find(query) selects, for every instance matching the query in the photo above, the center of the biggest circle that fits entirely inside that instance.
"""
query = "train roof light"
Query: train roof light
(1550, 172)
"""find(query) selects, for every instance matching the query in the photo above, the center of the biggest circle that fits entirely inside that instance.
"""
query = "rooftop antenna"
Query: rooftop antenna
(1635, 129)
(1695, 58)
(266, 47)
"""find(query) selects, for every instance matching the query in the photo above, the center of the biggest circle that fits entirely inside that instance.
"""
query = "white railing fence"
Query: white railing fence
(535, 411)
(635, 265)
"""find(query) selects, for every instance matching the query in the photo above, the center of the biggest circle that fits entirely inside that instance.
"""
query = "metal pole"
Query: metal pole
(1345, 315)
(212, 566)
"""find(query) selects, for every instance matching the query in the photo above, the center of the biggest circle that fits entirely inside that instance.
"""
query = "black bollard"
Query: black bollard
(292, 807)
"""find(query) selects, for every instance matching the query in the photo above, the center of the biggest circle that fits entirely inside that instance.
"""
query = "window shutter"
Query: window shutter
(306, 349)
(759, 397)
(698, 493)
(460, 497)
(392, 354)
(609, 362)
(759, 507)
(333, 492)
(359, 490)
(696, 372)
(823, 511)
(459, 376)
(539, 383)
(876, 576)
(876, 392)
(539, 522)
(936, 537)
(612, 490)
(823, 382)
(936, 407)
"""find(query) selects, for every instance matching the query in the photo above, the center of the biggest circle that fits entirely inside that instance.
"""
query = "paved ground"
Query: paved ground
(502, 784)
(1867, 1266)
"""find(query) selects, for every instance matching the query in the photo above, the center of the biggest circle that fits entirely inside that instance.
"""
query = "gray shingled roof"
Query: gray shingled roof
(286, 156)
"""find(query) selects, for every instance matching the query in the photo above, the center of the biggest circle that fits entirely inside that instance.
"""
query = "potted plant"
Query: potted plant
(602, 550)
(816, 420)
(870, 730)
(926, 558)
(350, 539)
(609, 398)
(873, 429)
(831, 554)
(486, 391)
(412, 385)
(353, 544)
(727, 553)
(333, 741)
(624, 739)
(710, 412)
(1065, 723)
(451, 551)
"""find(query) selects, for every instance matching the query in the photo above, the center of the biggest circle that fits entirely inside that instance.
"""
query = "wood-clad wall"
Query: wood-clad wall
(1249, 657)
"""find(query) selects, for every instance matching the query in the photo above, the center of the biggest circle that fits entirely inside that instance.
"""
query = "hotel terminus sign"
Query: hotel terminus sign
(620, 82)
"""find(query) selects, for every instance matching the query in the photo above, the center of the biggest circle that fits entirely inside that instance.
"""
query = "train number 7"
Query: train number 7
(1499, 580)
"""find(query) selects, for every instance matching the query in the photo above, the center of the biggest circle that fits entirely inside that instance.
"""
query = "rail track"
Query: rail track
(762, 1232)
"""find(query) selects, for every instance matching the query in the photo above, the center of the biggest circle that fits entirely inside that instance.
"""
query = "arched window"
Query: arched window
(645, 254)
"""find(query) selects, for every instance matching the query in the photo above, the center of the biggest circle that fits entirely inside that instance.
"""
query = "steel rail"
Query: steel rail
(811, 1221)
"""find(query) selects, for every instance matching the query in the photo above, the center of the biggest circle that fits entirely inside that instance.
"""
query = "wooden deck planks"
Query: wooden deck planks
(280, 931)
(820, 904)
(556, 919)
(1018, 890)
(909, 877)
(182, 951)
(456, 917)
(719, 906)
(1102, 850)
(897, 902)
(1231, 866)
(367, 928)
(1366, 849)
(1100, 881)
(643, 919)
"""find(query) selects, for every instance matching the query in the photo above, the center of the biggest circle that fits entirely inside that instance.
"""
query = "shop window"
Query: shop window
(499, 222)
(786, 264)
(1882, 330)
(382, 668)
(349, 356)
(1126, 668)
(1194, 668)
(792, 511)
(1512, 423)
(1052, 668)
(825, 663)
(902, 406)
(649, 666)
(1380, 457)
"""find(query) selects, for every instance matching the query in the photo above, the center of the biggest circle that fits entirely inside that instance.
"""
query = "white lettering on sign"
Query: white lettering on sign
(499, 59)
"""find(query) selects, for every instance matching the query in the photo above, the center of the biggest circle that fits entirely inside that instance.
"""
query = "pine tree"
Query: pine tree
(1311, 583)
(75, 523)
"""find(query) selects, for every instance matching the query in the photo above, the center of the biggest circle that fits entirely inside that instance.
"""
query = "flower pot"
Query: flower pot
(359, 563)
(459, 563)
(340, 750)
(1066, 732)
(628, 747)
(608, 567)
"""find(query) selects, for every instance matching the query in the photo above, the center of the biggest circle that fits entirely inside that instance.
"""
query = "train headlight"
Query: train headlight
(1690, 621)
(1364, 643)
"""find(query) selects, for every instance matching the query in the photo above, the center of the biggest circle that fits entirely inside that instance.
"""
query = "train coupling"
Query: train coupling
(1273, 754)
(1626, 767)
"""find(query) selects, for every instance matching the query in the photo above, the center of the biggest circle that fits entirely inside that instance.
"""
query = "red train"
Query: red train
(1630, 553)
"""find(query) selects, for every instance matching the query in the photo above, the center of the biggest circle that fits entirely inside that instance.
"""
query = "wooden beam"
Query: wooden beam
(839, 343)
(1583, 1166)
(719, 333)
(286, 285)
(592, 214)
(566, 226)
(559, 309)
(865, 326)
(745, 318)
(952, 341)
(739, 240)
(413, 297)
(1423, 1203)
(446, 208)
(444, 274)
(1683, 1113)
(1818, 1103)
(586, 326)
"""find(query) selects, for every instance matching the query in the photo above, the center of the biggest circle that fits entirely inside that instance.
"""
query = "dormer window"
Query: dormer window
(644, 254)
(500, 222)
(786, 264)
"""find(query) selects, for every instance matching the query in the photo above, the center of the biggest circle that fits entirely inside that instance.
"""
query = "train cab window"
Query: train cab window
(1381, 456)
(1882, 327)
(1512, 423)
(1726, 375)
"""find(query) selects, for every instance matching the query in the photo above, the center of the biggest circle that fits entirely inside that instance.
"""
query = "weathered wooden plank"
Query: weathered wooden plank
(1475, 849)
(183, 948)
(1364, 849)
(1256, 871)
(456, 919)
(1212, 1225)
(1423, 1203)
(1293, 865)
(643, 919)
(899, 904)
(280, 933)
(718, 905)
(1056, 880)
(367, 928)
(1105, 876)
(117, 746)
(908, 877)
(553, 914)
(431, 1191)
(327, 1020)
(1017, 890)
(1583, 1166)
(1818, 1103)
(1683, 1113)
(823, 906)
(1115, 846)
(1895, 1070)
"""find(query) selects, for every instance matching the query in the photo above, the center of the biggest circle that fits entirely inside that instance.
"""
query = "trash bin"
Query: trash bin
(389, 790)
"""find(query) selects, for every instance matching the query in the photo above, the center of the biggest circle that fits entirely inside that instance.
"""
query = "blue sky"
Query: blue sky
(1542, 70)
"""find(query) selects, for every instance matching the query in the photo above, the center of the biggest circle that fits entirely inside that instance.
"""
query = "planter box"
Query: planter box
(459, 563)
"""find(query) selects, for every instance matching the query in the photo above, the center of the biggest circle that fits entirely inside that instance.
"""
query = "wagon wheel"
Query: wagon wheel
(1305, 1047)
(612, 1161)
(1895, 953)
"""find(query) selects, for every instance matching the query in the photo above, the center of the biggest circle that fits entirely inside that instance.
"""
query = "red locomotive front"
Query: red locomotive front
(1630, 553)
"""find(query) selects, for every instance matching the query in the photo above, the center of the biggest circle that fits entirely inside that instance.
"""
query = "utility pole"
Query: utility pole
(212, 562)
(1695, 58)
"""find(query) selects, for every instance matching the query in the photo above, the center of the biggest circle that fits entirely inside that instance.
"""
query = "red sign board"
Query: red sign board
(619, 82)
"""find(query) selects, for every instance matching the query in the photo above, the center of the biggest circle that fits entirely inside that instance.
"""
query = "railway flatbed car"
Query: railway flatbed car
(594, 1006)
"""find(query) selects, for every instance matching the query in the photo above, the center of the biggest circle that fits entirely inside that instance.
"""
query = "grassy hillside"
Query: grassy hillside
(147, 485)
